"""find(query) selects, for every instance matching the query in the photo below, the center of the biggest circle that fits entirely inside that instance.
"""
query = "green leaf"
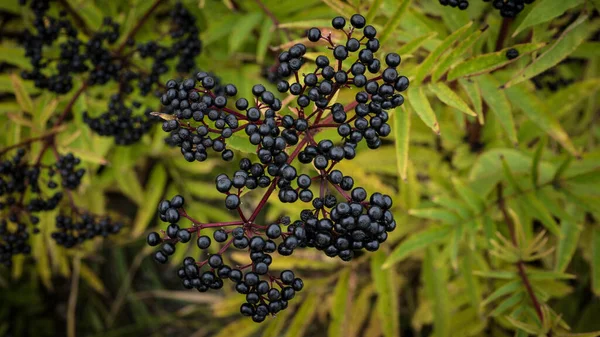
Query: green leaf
(448, 96)
(472, 89)
(472, 199)
(359, 310)
(567, 245)
(427, 65)
(595, 263)
(91, 278)
(508, 303)
(567, 99)
(338, 311)
(535, 167)
(508, 288)
(435, 282)
(130, 185)
(402, 137)
(537, 111)
(303, 317)
(21, 94)
(544, 11)
(15, 55)
(499, 104)
(487, 63)
(373, 9)
(472, 284)
(449, 59)
(240, 143)
(417, 242)
(498, 274)
(568, 41)
(414, 44)
(387, 295)
(266, 34)
(419, 102)
(439, 214)
(154, 191)
(340, 7)
(391, 24)
(242, 327)
(243, 29)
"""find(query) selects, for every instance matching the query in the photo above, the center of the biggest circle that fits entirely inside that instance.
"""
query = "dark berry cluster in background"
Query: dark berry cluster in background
(507, 8)
(27, 189)
(97, 59)
(339, 219)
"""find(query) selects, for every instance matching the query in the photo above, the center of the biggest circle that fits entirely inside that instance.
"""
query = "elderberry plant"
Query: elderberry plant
(26, 190)
(98, 59)
(340, 219)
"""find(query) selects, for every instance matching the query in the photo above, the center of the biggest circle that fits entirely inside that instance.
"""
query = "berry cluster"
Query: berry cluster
(507, 8)
(72, 231)
(26, 190)
(98, 59)
(341, 219)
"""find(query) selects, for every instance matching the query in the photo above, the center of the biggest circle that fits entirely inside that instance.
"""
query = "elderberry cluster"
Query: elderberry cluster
(340, 219)
(507, 8)
(98, 59)
(29, 189)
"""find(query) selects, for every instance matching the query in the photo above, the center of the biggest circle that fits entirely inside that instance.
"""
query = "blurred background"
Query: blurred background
(449, 268)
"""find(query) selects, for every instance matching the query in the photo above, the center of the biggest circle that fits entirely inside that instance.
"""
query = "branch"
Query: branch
(520, 264)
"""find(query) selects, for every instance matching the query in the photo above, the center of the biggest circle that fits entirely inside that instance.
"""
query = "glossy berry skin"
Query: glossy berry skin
(339, 219)
(512, 54)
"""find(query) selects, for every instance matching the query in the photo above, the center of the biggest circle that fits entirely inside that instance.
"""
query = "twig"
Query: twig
(520, 264)
(273, 18)
(76, 17)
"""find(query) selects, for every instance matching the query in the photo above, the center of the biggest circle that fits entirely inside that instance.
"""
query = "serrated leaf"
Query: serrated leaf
(391, 25)
(544, 11)
(15, 55)
(427, 65)
(568, 41)
(303, 317)
(499, 104)
(472, 199)
(154, 191)
(387, 295)
(417, 242)
(472, 285)
(537, 111)
(449, 59)
(420, 104)
(243, 29)
(21, 94)
(450, 98)
(338, 311)
(504, 275)
(402, 137)
(567, 99)
(472, 89)
(487, 63)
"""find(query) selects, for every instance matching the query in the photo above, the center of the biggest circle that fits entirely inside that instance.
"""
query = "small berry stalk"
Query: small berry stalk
(340, 219)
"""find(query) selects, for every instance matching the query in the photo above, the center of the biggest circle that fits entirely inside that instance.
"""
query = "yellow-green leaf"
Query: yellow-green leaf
(303, 317)
(499, 104)
(420, 104)
(21, 94)
(545, 10)
(154, 191)
(402, 133)
(567, 42)
(486, 63)
(386, 287)
(391, 25)
(448, 96)
(339, 308)
(416, 242)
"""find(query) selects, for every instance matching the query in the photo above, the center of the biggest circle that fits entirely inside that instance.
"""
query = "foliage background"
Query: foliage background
(468, 257)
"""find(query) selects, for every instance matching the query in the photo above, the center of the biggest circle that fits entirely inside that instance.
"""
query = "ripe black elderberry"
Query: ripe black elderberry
(340, 219)
(512, 54)
(98, 60)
